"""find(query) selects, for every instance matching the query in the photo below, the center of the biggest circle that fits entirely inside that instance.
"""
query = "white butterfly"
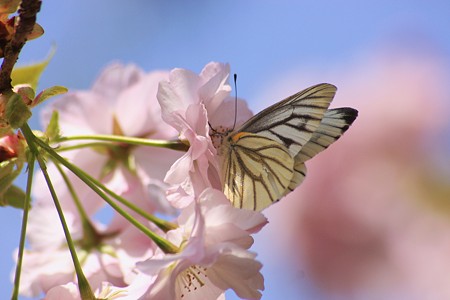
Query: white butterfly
(264, 159)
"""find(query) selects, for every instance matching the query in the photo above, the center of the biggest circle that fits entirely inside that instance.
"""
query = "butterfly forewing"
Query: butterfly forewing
(292, 121)
(257, 170)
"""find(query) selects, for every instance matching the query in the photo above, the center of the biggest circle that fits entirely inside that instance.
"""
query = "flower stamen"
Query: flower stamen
(192, 278)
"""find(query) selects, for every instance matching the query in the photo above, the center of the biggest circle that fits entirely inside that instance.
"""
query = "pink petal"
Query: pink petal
(177, 94)
(116, 78)
(138, 110)
(67, 291)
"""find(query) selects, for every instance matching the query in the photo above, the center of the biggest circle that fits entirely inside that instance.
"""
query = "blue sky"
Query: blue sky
(262, 40)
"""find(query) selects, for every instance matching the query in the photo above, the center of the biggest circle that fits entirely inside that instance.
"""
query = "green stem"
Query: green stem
(175, 145)
(24, 227)
(80, 146)
(83, 284)
(165, 245)
(72, 192)
(162, 224)
(90, 236)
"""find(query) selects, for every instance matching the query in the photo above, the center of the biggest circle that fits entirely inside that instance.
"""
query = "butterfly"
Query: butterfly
(264, 159)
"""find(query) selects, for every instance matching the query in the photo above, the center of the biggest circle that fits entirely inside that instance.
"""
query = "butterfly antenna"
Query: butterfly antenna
(235, 100)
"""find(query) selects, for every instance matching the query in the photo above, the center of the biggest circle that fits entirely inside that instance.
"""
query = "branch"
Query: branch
(27, 18)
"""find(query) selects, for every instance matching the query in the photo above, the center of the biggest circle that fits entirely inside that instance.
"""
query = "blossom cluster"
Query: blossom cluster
(204, 249)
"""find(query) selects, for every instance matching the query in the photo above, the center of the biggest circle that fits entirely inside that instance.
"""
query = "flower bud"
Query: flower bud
(10, 146)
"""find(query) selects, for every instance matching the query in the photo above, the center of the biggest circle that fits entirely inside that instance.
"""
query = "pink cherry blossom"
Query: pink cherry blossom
(191, 104)
(122, 102)
(213, 237)
(47, 261)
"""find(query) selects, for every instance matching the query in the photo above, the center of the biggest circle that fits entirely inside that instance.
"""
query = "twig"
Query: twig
(27, 18)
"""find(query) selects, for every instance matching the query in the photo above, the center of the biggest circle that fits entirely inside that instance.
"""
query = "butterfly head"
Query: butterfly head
(218, 134)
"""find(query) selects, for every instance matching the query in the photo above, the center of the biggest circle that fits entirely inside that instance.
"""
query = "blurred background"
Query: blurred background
(372, 219)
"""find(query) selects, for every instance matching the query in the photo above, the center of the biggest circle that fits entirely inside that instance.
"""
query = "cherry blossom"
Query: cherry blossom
(110, 257)
(122, 102)
(194, 105)
(214, 238)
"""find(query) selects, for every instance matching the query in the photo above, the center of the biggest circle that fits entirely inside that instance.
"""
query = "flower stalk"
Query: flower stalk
(83, 284)
(23, 230)
(162, 224)
(90, 235)
(163, 244)
(174, 145)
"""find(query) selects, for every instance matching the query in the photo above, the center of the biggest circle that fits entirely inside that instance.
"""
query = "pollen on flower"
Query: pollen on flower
(192, 279)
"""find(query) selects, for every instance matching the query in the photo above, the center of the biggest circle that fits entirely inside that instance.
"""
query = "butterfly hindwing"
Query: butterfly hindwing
(298, 176)
(256, 171)
(333, 125)
(292, 121)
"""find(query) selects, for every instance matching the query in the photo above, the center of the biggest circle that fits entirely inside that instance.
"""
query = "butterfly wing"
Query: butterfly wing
(333, 125)
(292, 121)
(297, 177)
(264, 159)
(256, 170)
